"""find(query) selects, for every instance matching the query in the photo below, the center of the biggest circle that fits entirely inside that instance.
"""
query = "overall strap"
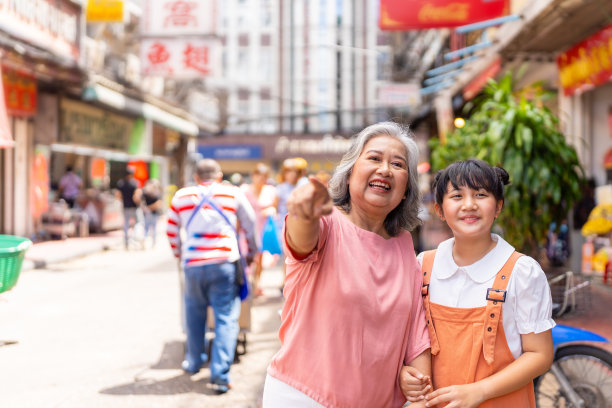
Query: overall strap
(197, 207)
(428, 258)
(496, 296)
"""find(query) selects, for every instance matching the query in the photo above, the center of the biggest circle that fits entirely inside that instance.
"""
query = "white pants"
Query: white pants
(277, 394)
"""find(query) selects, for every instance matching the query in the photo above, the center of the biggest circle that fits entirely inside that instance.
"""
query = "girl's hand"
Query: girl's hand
(457, 396)
(413, 384)
(310, 201)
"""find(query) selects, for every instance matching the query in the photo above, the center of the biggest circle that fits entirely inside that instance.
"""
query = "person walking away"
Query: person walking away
(353, 314)
(488, 307)
(152, 206)
(209, 212)
(130, 195)
(289, 175)
(70, 186)
(262, 197)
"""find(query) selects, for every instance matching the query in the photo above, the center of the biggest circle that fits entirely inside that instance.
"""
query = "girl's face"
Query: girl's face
(469, 213)
(380, 174)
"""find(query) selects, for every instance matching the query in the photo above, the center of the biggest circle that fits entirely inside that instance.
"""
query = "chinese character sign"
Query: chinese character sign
(185, 58)
(178, 17)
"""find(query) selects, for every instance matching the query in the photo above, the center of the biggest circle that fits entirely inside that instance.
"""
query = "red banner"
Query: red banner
(587, 64)
(421, 14)
(19, 92)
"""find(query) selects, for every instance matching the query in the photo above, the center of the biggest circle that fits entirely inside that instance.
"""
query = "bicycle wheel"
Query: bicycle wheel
(589, 371)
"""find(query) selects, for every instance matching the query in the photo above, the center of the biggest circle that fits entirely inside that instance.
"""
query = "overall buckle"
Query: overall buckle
(425, 290)
(496, 295)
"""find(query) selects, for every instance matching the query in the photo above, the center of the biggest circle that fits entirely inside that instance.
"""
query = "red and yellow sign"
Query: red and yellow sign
(421, 14)
(587, 64)
(99, 11)
(19, 92)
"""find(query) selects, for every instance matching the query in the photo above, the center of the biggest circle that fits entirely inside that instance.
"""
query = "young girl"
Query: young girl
(488, 307)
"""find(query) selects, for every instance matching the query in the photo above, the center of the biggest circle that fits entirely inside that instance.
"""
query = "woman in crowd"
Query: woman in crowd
(353, 315)
(262, 197)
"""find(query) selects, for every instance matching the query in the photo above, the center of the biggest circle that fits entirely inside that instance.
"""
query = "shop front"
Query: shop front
(37, 52)
(240, 153)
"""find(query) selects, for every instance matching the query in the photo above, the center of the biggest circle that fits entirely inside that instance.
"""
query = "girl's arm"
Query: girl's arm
(306, 205)
(536, 359)
(415, 378)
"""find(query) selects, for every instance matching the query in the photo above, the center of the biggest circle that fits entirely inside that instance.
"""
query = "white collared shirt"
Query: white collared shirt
(528, 305)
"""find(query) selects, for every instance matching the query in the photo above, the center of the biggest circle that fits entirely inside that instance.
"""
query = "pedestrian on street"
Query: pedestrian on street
(489, 307)
(70, 186)
(292, 171)
(209, 213)
(353, 314)
(152, 207)
(130, 194)
(262, 197)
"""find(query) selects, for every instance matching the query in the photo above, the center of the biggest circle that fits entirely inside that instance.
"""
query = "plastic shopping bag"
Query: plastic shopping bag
(269, 240)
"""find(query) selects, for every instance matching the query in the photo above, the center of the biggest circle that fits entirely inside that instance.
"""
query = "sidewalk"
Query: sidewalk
(42, 254)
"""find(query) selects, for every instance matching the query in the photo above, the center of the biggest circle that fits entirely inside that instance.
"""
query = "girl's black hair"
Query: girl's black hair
(475, 174)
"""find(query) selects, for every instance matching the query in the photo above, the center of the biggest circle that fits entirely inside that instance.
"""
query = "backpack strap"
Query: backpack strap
(428, 258)
(496, 296)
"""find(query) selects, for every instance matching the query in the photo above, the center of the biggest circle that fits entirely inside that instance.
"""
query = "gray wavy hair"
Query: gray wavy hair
(405, 215)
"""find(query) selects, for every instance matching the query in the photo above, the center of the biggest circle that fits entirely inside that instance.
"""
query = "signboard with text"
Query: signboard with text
(49, 24)
(178, 17)
(422, 14)
(587, 64)
(19, 92)
(179, 58)
(99, 11)
(227, 152)
(83, 124)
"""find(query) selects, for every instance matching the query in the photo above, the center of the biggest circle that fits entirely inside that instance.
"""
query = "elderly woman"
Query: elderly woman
(353, 315)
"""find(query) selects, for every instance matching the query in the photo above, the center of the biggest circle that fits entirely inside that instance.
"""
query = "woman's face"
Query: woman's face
(380, 175)
(259, 179)
(291, 176)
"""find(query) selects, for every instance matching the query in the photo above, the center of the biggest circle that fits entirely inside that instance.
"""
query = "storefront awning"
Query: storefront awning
(121, 102)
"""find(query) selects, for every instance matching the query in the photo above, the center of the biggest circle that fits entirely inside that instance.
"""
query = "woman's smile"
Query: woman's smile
(380, 185)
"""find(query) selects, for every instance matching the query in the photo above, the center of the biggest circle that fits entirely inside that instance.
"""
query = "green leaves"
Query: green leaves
(520, 134)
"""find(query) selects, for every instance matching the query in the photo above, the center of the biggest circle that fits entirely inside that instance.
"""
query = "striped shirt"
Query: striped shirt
(208, 239)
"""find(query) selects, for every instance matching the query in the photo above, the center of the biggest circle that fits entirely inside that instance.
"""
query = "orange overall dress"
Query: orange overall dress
(469, 344)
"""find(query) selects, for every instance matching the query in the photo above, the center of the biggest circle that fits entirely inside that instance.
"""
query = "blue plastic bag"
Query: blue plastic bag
(269, 240)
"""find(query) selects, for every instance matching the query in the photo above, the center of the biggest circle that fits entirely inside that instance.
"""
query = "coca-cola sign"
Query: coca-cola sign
(421, 14)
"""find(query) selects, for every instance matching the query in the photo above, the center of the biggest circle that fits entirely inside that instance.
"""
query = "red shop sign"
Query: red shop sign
(19, 92)
(587, 64)
(421, 14)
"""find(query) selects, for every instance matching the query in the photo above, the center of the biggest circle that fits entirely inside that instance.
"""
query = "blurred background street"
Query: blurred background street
(104, 331)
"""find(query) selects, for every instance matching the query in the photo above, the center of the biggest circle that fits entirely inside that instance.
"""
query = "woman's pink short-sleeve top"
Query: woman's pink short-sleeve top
(353, 315)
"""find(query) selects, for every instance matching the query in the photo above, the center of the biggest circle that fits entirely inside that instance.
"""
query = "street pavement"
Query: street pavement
(103, 330)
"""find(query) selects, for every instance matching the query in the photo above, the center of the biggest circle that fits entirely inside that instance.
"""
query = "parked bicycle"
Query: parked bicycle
(581, 374)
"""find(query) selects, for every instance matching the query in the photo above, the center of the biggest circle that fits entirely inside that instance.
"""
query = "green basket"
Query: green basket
(12, 252)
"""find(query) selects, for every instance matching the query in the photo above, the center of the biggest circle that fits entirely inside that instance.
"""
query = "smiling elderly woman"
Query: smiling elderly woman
(353, 314)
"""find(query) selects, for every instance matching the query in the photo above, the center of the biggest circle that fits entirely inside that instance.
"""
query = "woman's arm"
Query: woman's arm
(306, 205)
(536, 359)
